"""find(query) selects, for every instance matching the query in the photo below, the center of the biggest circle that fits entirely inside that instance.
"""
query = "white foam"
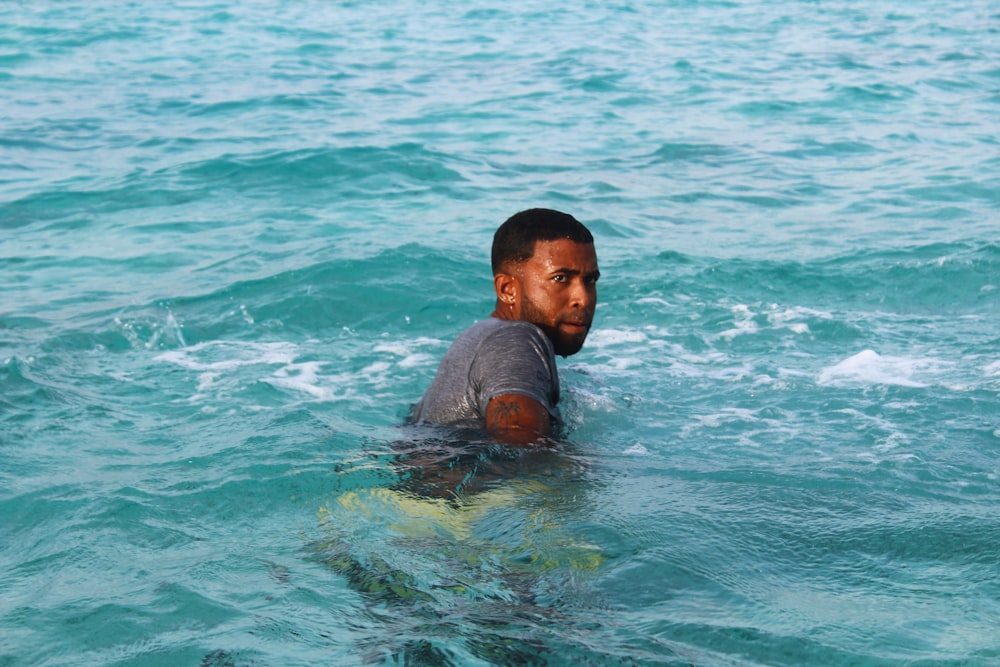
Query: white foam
(637, 450)
(404, 348)
(782, 317)
(235, 354)
(376, 368)
(399, 348)
(728, 415)
(206, 380)
(743, 319)
(765, 380)
(220, 365)
(903, 405)
(224, 367)
(303, 377)
(407, 349)
(869, 367)
(418, 359)
(655, 300)
(709, 357)
(605, 337)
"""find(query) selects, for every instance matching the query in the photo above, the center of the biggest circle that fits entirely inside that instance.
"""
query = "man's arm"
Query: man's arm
(518, 420)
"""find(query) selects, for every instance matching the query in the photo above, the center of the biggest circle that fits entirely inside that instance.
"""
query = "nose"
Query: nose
(583, 294)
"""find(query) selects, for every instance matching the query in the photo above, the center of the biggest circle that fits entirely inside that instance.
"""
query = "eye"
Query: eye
(560, 278)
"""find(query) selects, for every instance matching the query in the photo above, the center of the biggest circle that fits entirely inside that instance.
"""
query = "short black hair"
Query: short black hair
(514, 240)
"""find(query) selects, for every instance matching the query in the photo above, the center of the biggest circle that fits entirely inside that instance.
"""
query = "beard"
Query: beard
(564, 343)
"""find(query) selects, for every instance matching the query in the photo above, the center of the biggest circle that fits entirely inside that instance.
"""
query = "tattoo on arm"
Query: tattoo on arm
(507, 414)
(517, 419)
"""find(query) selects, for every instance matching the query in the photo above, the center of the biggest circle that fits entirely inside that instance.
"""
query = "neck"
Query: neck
(503, 311)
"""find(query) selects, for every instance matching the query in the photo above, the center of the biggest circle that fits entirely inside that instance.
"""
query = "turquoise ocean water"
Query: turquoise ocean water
(236, 238)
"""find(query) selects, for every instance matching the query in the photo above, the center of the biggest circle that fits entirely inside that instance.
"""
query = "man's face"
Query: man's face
(559, 291)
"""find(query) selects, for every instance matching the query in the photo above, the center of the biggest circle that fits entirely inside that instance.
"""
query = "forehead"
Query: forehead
(562, 254)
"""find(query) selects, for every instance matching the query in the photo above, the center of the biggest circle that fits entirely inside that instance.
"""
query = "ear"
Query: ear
(508, 288)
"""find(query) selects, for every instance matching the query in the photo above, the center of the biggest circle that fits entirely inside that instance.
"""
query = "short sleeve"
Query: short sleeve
(515, 359)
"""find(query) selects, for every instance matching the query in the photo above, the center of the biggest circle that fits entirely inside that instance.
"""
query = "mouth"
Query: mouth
(576, 326)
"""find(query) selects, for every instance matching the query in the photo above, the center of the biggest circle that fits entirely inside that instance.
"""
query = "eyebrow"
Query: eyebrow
(595, 274)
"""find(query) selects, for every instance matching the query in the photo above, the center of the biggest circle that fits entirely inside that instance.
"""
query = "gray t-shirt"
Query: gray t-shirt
(489, 359)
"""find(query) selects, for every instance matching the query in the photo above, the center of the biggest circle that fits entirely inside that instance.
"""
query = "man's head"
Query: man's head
(514, 240)
(545, 272)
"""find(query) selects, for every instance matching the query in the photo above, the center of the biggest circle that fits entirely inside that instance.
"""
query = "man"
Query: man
(500, 374)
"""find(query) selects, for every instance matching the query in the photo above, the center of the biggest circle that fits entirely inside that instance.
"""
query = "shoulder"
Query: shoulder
(514, 332)
(513, 350)
(503, 336)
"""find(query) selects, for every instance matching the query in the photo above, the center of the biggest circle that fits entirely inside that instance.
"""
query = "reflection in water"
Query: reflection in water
(473, 546)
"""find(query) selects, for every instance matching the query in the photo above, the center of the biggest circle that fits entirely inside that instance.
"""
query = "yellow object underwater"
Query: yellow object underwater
(512, 521)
